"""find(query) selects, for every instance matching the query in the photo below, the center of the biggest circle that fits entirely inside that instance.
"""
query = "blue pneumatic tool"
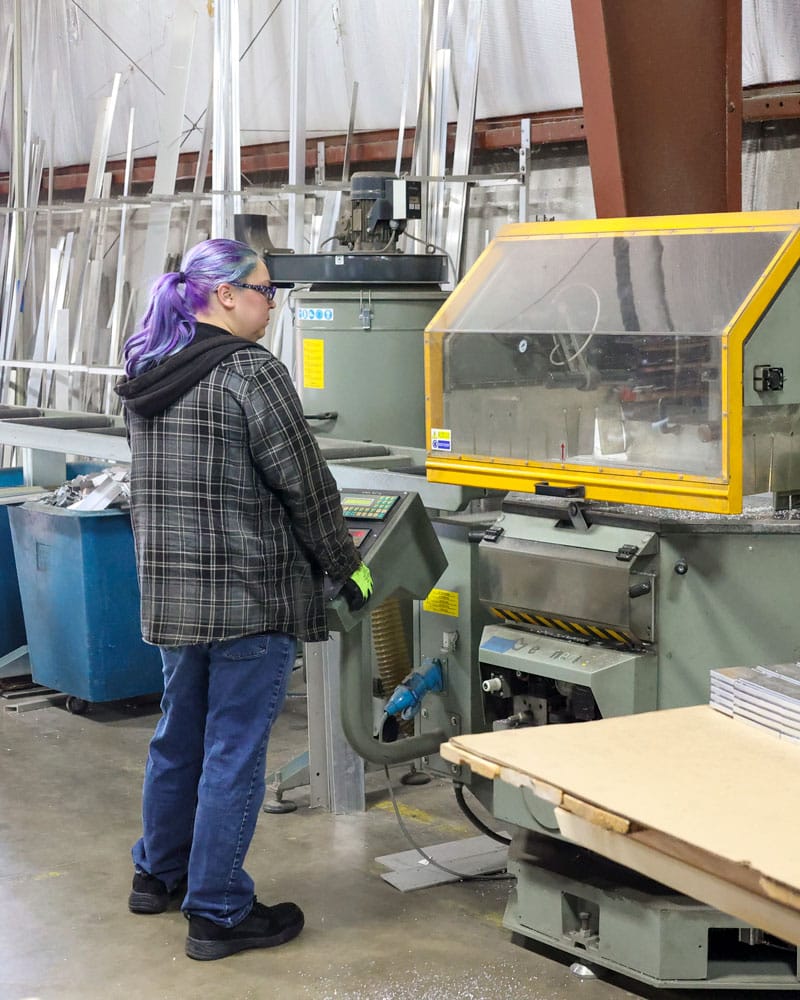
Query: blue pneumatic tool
(407, 697)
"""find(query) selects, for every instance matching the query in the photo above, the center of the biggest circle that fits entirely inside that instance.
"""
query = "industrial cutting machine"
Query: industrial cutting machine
(634, 385)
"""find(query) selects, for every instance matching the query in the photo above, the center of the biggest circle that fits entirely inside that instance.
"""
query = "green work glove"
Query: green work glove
(363, 580)
(358, 587)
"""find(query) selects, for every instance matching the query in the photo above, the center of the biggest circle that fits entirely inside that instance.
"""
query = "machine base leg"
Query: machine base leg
(601, 914)
(292, 775)
(279, 806)
(414, 777)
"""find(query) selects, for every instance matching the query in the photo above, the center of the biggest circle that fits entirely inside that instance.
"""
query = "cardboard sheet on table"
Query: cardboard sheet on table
(692, 774)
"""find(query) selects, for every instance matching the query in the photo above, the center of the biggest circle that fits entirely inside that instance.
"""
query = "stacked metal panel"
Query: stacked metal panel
(65, 313)
(768, 697)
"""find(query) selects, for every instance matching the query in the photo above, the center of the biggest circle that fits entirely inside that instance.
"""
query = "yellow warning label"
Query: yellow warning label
(313, 364)
(442, 602)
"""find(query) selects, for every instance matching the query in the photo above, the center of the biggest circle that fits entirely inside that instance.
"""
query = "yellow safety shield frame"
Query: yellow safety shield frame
(651, 361)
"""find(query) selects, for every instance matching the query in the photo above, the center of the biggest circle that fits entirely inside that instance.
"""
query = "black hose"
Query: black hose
(461, 876)
(462, 804)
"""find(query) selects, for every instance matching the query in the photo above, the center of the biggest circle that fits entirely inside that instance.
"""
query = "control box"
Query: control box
(366, 512)
(395, 538)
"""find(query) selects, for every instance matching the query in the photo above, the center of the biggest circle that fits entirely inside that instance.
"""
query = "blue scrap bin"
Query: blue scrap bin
(80, 599)
(12, 624)
(13, 476)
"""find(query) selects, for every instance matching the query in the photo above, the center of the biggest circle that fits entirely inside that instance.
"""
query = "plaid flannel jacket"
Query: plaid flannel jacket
(235, 514)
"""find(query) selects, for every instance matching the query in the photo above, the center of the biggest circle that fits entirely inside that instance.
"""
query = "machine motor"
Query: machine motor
(380, 206)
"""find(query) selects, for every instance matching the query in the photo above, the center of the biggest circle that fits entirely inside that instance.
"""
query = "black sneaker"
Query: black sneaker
(263, 927)
(150, 895)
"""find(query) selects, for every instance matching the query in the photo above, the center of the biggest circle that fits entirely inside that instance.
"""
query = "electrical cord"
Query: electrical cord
(461, 876)
(458, 788)
(558, 346)
(430, 247)
(392, 239)
(509, 323)
(350, 245)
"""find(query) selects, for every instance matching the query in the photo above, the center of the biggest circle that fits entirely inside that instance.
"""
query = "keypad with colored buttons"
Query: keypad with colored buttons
(368, 507)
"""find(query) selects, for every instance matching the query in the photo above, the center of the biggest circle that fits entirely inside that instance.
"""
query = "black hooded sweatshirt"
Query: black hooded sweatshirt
(156, 389)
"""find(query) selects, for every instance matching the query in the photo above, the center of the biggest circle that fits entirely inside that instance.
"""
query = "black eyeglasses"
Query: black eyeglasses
(268, 291)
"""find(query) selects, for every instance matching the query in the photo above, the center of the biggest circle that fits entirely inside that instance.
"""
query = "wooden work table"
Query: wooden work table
(703, 803)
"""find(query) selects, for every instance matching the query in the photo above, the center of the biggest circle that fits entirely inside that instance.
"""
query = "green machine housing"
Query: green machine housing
(634, 385)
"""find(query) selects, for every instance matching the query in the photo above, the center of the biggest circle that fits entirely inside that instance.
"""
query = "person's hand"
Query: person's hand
(358, 588)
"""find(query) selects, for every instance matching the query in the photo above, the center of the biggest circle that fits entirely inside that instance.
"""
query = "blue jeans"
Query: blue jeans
(204, 780)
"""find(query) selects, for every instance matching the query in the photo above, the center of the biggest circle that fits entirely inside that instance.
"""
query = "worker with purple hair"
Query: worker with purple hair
(237, 521)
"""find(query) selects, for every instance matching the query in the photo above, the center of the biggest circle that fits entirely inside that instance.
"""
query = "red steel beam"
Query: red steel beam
(366, 147)
(779, 101)
(662, 94)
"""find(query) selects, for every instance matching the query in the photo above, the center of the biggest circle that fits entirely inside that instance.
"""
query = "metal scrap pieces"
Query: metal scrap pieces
(95, 491)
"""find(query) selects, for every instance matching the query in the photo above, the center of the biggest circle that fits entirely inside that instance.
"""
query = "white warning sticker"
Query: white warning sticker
(441, 439)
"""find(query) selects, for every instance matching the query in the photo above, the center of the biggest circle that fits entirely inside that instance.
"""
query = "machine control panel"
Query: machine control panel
(395, 538)
(367, 505)
(367, 513)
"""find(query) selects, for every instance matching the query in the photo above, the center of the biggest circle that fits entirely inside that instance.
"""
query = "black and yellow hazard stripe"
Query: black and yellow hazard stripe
(582, 629)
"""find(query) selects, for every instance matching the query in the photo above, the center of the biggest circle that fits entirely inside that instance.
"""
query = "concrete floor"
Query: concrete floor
(69, 811)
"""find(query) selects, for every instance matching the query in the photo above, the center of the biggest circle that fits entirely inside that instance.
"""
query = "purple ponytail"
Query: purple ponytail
(168, 323)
